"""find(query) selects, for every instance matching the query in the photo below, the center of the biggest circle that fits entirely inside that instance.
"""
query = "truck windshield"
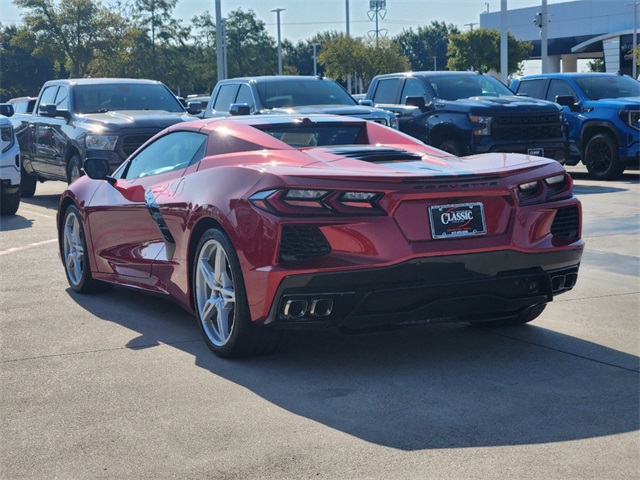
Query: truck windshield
(456, 87)
(596, 87)
(299, 93)
(124, 96)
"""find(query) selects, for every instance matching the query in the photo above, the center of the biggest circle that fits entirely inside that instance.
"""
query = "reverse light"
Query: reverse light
(101, 142)
(548, 188)
(556, 179)
(305, 194)
(528, 187)
(312, 202)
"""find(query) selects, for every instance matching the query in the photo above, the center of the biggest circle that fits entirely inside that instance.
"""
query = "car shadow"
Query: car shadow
(627, 177)
(425, 387)
(14, 222)
(46, 201)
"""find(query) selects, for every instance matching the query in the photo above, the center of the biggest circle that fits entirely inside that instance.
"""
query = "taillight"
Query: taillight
(554, 187)
(313, 202)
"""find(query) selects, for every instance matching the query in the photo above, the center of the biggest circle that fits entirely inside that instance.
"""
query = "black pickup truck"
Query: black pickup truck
(92, 117)
(467, 112)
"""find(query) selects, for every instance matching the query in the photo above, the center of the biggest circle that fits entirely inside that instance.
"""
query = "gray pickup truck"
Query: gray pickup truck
(92, 117)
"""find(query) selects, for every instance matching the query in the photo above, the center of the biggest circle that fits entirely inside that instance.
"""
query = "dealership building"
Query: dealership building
(584, 29)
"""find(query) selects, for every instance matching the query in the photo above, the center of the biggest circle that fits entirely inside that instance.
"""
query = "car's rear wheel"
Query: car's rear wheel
(527, 315)
(602, 159)
(10, 203)
(27, 184)
(74, 248)
(220, 301)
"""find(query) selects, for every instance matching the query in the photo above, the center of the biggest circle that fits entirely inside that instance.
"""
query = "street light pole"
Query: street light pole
(219, 42)
(277, 11)
(634, 66)
(315, 59)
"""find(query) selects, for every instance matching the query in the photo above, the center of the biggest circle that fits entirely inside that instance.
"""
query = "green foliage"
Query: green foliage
(299, 57)
(427, 42)
(596, 65)
(480, 50)
(22, 72)
(344, 56)
(250, 49)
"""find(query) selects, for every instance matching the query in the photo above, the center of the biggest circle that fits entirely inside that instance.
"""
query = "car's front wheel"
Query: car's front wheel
(220, 301)
(74, 248)
(602, 159)
(27, 184)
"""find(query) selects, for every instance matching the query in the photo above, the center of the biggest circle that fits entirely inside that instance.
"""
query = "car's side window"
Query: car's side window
(559, 87)
(62, 98)
(173, 151)
(245, 96)
(532, 88)
(225, 97)
(48, 95)
(386, 91)
(413, 88)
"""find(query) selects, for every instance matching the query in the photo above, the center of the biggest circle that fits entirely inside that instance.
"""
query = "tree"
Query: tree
(344, 56)
(480, 49)
(596, 65)
(250, 49)
(298, 58)
(22, 72)
(427, 42)
(69, 31)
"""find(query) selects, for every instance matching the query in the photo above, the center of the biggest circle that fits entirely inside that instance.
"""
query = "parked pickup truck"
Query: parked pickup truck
(93, 117)
(465, 113)
(603, 112)
(289, 94)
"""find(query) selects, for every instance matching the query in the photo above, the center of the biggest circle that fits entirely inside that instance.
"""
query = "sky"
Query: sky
(301, 19)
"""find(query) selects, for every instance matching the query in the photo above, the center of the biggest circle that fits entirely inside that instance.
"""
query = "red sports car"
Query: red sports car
(264, 223)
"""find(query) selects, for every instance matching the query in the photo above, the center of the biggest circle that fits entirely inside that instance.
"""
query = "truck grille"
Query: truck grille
(530, 127)
(302, 242)
(131, 143)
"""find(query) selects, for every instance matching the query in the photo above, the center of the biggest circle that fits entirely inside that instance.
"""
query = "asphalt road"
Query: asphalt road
(120, 385)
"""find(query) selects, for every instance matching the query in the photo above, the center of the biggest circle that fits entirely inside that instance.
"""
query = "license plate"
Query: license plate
(457, 220)
(538, 152)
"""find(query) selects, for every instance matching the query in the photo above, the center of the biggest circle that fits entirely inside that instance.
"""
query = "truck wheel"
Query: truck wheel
(453, 147)
(601, 157)
(27, 184)
(10, 203)
(74, 169)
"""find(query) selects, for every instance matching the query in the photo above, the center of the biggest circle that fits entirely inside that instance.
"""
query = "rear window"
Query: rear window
(301, 136)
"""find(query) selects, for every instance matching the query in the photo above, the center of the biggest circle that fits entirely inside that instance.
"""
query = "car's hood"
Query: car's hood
(157, 119)
(350, 110)
(498, 105)
(615, 103)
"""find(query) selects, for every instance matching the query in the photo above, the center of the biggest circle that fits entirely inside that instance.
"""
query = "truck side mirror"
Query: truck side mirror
(98, 169)
(194, 108)
(415, 102)
(239, 109)
(47, 110)
(6, 109)
(567, 101)
(365, 102)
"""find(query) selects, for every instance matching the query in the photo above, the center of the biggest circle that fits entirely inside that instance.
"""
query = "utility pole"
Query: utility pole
(470, 25)
(315, 58)
(504, 49)
(219, 42)
(435, 67)
(544, 31)
(277, 11)
(348, 35)
(634, 66)
(377, 11)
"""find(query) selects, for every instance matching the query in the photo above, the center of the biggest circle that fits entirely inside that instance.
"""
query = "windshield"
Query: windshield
(299, 93)
(125, 96)
(455, 87)
(596, 87)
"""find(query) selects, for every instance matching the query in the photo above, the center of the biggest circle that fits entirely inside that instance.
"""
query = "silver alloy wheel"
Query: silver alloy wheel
(215, 293)
(75, 173)
(73, 248)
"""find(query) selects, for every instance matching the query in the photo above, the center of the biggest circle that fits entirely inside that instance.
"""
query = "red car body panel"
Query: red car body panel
(126, 246)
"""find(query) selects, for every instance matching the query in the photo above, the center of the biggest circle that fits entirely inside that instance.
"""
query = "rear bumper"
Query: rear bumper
(425, 290)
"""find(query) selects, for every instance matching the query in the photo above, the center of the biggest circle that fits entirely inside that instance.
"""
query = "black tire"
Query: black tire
(74, 169)
(527, 315)
(10, 203)
(222, 310)
(74, 247)
(601, 157)
(27, 184)
(453, 147)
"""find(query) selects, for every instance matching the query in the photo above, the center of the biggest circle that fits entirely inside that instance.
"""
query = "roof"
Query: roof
(98, 81)
(570, 75)
(277, 78)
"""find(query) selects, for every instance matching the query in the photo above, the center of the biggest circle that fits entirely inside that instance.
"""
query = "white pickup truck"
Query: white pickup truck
(9, 168)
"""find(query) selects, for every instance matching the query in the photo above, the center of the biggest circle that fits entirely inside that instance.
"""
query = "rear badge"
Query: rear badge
(457, 220)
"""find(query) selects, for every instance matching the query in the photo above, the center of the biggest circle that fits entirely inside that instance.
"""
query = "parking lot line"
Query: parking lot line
(25, 247)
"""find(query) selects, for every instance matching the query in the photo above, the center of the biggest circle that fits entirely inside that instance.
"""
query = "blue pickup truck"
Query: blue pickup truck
(603, 114)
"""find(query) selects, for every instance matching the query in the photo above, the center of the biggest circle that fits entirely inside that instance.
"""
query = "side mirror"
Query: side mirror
(567, 101)
(6, 109)
(239, 109)
(98, 169)
(47, 110)
(194, 108)
(365, 102)
(415, 102)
